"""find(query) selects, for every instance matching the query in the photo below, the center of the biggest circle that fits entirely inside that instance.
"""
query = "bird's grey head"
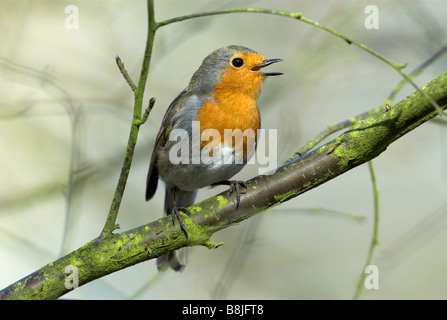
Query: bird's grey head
(212, 68)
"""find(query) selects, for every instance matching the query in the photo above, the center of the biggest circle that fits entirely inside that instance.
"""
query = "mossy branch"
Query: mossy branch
(364, 141)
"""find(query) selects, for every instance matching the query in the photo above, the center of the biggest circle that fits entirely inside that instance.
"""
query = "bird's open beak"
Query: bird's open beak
(266, 63)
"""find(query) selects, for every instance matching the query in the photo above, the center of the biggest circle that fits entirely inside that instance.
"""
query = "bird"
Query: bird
(222, 94)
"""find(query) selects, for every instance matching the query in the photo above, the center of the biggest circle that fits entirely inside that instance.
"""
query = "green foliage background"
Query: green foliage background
(65, 112)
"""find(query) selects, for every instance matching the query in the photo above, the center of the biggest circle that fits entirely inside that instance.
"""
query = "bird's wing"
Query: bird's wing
(170, 121)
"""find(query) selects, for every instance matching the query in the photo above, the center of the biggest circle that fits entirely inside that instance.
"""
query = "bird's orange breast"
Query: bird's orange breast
(230, 109)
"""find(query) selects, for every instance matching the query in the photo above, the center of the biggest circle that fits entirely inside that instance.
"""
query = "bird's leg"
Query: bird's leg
(176, 213)
(234, 185)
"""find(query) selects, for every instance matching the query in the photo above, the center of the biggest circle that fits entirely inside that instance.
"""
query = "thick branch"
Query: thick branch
(361, 143)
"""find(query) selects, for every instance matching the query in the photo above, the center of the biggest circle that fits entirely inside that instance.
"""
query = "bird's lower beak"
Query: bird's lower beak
(266, 63)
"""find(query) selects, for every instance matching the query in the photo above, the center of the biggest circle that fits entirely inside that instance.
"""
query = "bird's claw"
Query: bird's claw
(176, 213)
(234, 185)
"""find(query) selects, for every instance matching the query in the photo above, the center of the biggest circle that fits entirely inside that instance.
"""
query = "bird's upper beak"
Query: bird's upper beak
(266, 63)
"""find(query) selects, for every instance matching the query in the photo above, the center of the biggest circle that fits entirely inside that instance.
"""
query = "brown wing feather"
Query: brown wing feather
(162, 137)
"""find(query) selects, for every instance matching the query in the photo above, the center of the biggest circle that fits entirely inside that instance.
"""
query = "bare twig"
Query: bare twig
(110, 224)
(125, 74)
(375, 233)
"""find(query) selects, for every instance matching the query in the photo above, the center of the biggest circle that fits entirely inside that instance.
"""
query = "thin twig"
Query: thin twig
(299, 16)
(375, 233)
(147, 111)
(330, 130)
(349, 122)
(417, 71)
(126, 76)
(110, 223)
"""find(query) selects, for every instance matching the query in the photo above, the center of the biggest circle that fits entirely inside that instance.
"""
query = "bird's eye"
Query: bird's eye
(237, 62)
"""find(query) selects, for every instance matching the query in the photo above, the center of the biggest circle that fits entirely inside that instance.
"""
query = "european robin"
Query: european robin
(222, 94)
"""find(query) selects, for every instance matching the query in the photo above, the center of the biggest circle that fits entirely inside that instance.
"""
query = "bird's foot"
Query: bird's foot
(176, 213)
(234, 185)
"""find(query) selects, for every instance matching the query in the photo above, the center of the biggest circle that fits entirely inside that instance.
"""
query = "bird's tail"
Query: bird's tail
(174, 197)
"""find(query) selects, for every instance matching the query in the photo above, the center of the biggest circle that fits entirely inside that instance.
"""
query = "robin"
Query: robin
(222, 95)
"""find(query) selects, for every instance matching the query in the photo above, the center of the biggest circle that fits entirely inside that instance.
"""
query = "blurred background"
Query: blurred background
(65, 114)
